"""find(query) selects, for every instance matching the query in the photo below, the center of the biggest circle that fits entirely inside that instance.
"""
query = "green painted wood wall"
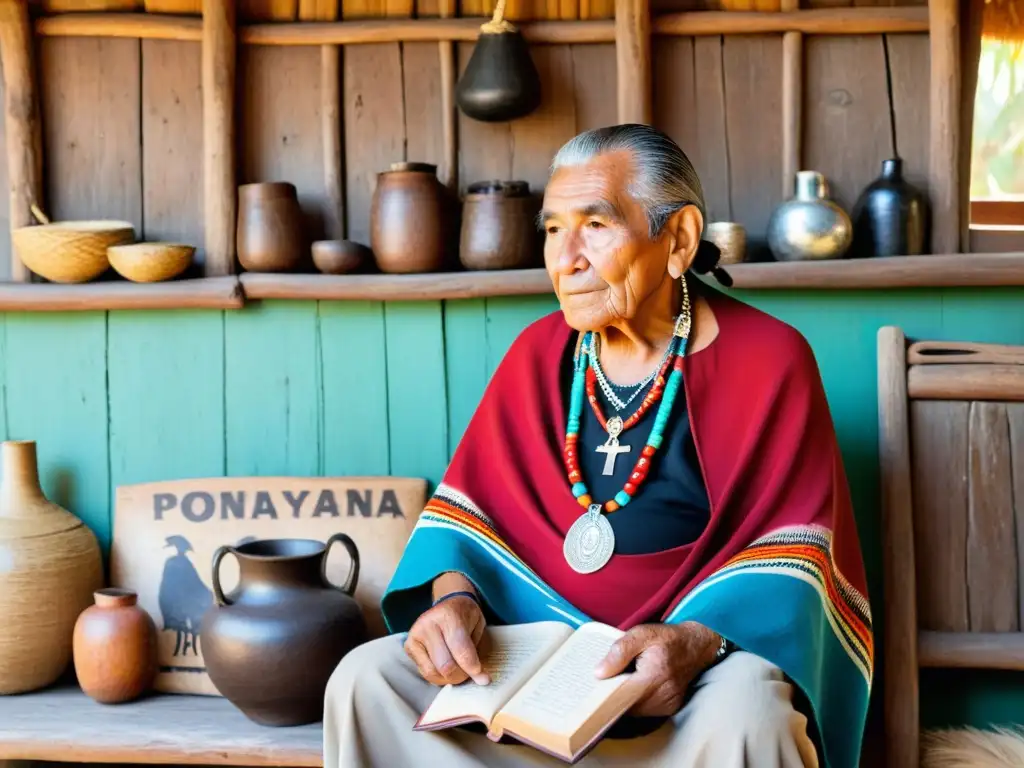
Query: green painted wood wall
(343, 388)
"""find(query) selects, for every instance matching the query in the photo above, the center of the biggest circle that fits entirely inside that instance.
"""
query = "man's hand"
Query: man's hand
(668, 658)
(443, 641)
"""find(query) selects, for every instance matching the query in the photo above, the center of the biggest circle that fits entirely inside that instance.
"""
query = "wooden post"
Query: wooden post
(900, 705)
(334, 152)
(944, 146)
(23, 122)
(971, 17)
(449, 118)
(792, 102)
(633, 58)
(219, 186)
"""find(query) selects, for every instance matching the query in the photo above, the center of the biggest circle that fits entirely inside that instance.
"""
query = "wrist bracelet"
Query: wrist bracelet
(470, 595)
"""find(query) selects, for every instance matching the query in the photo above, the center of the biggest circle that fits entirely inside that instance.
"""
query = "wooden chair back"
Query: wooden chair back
(951, 445)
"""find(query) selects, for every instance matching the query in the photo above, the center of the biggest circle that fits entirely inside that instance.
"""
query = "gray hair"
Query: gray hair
(665, 179)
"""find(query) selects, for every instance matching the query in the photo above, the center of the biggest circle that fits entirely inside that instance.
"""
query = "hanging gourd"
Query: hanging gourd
(500, 82)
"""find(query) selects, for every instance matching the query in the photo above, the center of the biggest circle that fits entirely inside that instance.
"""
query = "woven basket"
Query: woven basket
(150, 262)
(69, 251)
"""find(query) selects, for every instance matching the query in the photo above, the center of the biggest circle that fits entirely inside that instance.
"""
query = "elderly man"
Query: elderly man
(656, 456)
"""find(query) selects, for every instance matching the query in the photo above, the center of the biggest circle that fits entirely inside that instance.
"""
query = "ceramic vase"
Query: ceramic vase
(51, 565)
(499, 227)
(809, 225)
(271, 644)
(269, 237)
(409, 219)
(890, 218)
(115, 648)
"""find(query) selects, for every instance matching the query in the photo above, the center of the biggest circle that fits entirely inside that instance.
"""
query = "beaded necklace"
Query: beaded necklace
(590, 541)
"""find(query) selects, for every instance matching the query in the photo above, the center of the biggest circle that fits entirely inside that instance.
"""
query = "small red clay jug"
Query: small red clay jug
(115, 647)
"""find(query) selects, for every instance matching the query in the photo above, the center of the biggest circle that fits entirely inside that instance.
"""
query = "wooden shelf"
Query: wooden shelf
(443, 285)
(971, 650)
(205, 293)
(823, 21)
(63, 724)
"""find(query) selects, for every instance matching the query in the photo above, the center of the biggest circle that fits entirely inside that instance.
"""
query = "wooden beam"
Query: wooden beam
(792, 108)
(972, 650)
(334, 150)
(219, 185)
(900, 703)
(966, 381)
(206, 293)
(449, 113)
(444, 285)
(22, 123)
(823, 21)
(633, 60)
(944, 140)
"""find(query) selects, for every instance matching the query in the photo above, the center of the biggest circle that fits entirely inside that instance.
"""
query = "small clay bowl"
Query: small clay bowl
(340, 257)
(150, 262)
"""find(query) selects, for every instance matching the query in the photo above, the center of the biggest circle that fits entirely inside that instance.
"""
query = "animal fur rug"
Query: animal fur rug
(973, 748)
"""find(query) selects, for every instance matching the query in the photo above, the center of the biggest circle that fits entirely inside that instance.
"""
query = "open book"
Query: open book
(543, 690)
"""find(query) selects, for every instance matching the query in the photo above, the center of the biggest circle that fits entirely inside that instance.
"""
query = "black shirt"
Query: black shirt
(671, 507)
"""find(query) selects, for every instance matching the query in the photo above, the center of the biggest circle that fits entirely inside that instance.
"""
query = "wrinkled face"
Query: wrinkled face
(597, 249)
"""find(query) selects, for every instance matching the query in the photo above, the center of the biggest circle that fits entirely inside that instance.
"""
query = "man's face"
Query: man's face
(597, 248)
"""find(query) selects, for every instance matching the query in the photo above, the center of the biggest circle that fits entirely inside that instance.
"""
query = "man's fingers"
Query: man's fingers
(659, 699)
(619, 656)
(415, 650)
(441, 657)
(464, 651)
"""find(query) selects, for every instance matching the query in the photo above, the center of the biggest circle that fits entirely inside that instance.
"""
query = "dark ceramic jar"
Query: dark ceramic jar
(271, 645)
(499, 226)
(409, 219)
(890, 218)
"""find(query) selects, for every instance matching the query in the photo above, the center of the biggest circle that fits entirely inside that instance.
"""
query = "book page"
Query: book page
(566, 691)
(509, 654)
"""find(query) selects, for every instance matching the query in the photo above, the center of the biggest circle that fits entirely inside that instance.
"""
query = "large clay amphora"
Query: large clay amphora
(51, 567)
(271, 644)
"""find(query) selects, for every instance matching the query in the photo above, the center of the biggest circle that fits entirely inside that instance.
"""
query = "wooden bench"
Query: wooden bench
(951, 447)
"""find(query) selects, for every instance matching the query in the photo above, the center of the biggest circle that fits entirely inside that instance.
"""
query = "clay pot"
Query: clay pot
(409, 219)
(270, 226)
(115, 648)
(500, 82)
(51, 565)
(499, 227)
(891, 216)
(340, 257)
(271, 645)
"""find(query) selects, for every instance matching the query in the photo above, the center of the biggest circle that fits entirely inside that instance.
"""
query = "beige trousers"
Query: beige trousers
(740, 715)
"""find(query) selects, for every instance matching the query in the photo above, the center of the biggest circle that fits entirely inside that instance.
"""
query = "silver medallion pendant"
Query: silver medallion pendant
(590, 542)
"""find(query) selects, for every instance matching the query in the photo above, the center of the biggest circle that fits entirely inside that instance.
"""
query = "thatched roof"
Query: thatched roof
(1003, 20)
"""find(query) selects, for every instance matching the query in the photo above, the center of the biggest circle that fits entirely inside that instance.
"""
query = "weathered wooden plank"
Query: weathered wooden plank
(272, 409)
(973, 650)
(848, 126)
(268, 10)
(355, 402)
(598, 9)
(593, 66)
(1015, 417)
(21, 133)
(91, 126)
(183, 730)
(485, 149)
(318, 10)
(792, 106)
(992, 566)
(944, 123)
(220, 195)
(333, 142)
(184, 7)
(754, 130)
(939, 447)
(281, 127)
(417, 418)
(900, 697)
(465, 343)
(506, 319)
(375, 123)
(56, 394)
(172, 128)
(967, 381)
(424, 126)
(538, 136)
(633, 60)
(160, 430)
(908, 67)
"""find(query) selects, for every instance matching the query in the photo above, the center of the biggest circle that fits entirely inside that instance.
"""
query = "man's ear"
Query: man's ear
(683, 229)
